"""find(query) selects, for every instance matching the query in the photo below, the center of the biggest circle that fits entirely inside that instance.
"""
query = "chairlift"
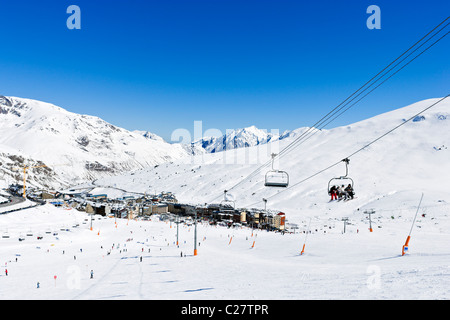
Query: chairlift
(342, 180)
(226, 204)
(276, 178)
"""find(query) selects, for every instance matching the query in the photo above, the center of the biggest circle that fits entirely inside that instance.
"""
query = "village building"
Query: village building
(165, 204)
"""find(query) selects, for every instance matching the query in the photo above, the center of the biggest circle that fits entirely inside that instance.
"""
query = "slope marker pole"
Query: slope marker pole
(306, 237)
(406, 245)
(253, 245)
(195, 235)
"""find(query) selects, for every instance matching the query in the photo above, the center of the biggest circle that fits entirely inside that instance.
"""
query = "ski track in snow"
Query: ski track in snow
(354, 265)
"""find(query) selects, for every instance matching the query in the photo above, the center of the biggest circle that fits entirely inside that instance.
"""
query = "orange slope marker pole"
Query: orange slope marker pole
(405, 247)
(195, 236)
(253, 245)
(306, 237)
(303, 249)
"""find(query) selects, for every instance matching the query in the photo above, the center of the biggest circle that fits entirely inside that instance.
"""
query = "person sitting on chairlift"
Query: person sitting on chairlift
(343, 192)
(339, 192)
(350, 192)
(333, 193)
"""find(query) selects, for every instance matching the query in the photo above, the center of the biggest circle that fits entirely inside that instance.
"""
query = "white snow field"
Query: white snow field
(357, 264)
(390, 177)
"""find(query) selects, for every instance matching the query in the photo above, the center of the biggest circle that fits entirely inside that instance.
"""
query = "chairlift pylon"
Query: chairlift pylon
(276, 178)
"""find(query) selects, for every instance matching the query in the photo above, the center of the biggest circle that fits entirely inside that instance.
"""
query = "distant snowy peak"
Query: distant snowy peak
(149, 135)
(239, 138)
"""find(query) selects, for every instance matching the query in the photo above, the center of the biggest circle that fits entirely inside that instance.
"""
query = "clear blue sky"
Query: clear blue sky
(161, 65)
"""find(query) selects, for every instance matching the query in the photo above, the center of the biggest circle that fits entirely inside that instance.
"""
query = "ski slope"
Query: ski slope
(390, 177)
(357, 264)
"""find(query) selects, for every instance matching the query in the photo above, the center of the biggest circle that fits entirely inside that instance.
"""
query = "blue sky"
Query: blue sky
(161, 65)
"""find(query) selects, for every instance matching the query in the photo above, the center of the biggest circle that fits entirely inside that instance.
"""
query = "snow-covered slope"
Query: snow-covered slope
(78, 146)
(140, 259)
(234, 264)
(410, 160)
(12, 162)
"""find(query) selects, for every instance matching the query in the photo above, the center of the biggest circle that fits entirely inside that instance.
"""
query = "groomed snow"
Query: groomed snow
(357, 264)
(390, 177)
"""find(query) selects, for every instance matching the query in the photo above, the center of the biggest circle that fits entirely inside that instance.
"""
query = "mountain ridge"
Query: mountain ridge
(89, 146)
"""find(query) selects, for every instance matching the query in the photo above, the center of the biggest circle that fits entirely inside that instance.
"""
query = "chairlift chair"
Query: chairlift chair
(227, 205)
(343, 180)
(276, 178)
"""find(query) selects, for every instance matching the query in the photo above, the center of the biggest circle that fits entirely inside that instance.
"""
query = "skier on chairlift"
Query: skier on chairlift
(333, 193)
(350, 192)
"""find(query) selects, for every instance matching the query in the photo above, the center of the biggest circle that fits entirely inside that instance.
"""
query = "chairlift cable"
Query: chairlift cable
(359, 150)
(398, 126)
(380, 84)
(340, 106)
(292, 145)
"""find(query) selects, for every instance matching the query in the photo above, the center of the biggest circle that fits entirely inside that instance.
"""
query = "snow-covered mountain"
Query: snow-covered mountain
(342, 259)
(239, 138)
(78, 147)
(409, 160)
